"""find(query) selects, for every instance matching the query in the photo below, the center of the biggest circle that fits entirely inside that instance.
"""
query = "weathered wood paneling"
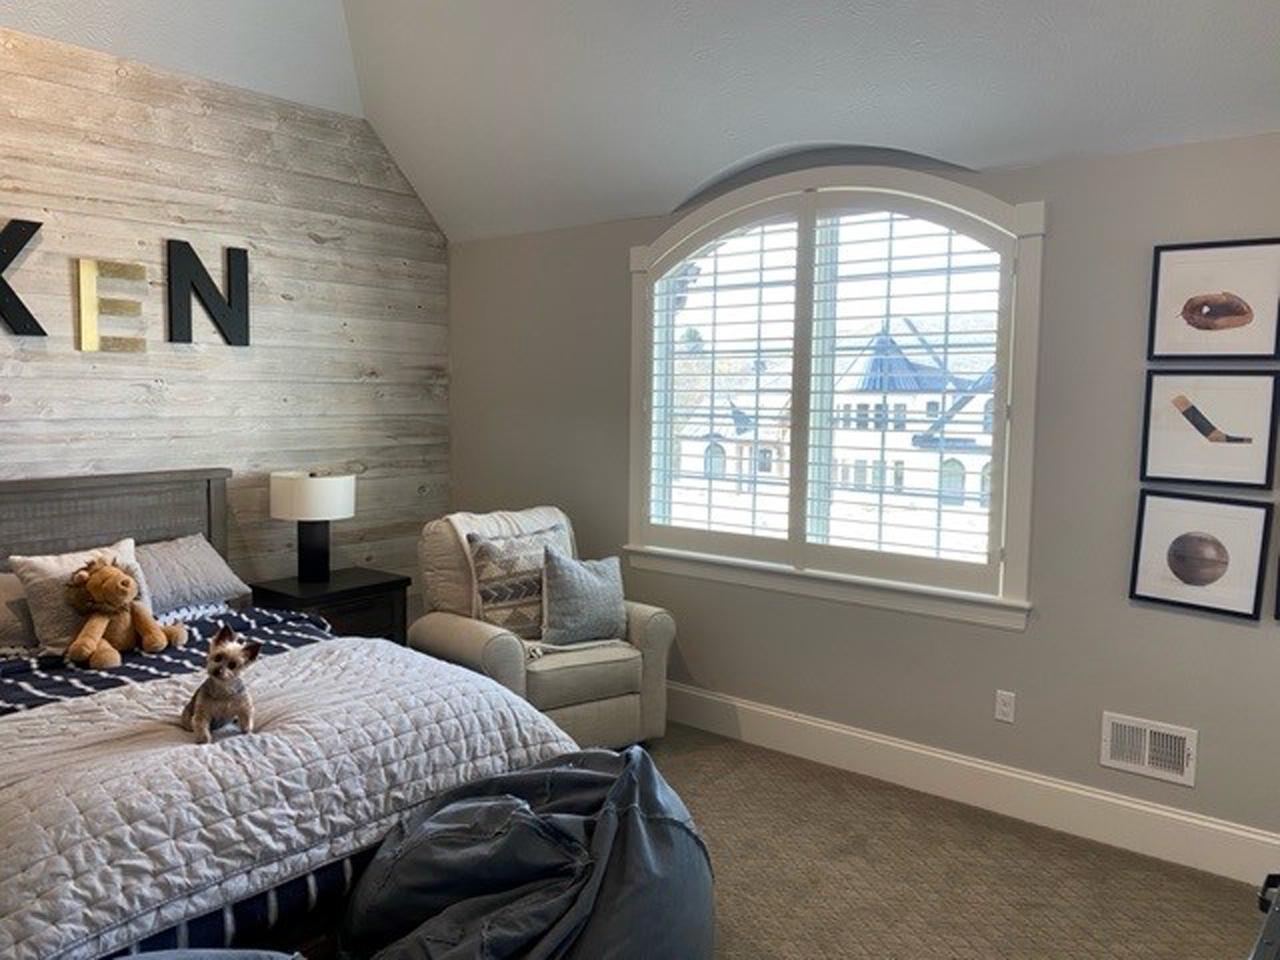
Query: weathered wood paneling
(348, 367)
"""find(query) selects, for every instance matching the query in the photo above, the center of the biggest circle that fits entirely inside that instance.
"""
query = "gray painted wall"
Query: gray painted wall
(539, 410)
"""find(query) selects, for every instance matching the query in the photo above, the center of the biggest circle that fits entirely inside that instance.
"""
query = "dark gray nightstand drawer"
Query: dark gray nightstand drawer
(363, 617)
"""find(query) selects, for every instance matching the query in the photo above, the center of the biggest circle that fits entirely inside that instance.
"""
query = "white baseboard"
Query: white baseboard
(1206, 843)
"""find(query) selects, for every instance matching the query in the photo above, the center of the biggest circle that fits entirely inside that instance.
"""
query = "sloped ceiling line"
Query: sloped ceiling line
(510, 116)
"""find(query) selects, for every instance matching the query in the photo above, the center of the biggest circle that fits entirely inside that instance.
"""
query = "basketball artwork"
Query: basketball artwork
(1218, 300)
(1210, 427)
(1198, 558)
(1205, 553)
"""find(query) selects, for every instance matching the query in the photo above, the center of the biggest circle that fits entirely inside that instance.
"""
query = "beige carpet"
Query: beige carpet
(815, 862)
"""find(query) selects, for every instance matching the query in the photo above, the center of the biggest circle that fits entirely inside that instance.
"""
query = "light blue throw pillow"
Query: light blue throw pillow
(582, 599)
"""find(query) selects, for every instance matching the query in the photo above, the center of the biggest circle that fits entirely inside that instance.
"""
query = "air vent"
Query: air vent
(1149, 748)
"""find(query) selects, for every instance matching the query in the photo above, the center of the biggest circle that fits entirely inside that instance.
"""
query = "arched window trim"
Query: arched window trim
(1016, 231)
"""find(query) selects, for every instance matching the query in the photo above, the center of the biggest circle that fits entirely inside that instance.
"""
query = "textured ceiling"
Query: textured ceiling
(296, 49)
(511, 115)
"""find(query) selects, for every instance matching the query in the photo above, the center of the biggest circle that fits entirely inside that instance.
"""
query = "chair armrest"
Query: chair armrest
(652, 630)
(493, 651)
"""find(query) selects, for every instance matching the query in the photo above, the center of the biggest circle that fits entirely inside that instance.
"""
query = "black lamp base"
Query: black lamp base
(313, 551)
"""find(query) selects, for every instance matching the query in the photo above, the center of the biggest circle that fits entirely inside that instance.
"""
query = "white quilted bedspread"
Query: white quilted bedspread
(115, 824)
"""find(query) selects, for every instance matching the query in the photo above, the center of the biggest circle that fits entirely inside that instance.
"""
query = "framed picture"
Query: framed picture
(1201, 427)
(1215, 301)
(1203, 553)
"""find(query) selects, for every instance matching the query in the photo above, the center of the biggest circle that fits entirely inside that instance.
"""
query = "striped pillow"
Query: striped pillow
(508, 573)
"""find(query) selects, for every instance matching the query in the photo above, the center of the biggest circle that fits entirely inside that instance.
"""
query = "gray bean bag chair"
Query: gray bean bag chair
(589, 855)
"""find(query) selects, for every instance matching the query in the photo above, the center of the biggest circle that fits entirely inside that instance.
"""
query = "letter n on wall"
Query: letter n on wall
(187, 275)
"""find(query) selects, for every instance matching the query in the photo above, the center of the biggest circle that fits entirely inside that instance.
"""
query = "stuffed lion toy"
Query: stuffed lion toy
(114, 619)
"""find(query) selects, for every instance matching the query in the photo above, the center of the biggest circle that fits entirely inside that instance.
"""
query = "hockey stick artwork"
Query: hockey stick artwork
(1204, 426)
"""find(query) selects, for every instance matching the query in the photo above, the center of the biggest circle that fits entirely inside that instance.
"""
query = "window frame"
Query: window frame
(1000, 597)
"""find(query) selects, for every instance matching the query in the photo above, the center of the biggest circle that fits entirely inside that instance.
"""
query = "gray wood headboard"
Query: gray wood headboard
(75, 513)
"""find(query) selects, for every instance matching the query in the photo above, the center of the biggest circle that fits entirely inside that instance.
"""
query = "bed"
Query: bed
(119, 833)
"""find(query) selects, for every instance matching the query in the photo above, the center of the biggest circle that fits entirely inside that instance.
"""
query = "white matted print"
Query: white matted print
(1210, 428)
(1201, 552)
(1216, 300)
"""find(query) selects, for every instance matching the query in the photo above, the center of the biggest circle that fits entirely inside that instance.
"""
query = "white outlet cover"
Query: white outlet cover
(1006, 702)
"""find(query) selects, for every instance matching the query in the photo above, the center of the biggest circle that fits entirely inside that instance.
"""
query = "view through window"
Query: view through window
(904, 324)
(724, 323)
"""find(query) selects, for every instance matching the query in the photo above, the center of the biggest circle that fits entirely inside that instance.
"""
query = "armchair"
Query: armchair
(605, 693)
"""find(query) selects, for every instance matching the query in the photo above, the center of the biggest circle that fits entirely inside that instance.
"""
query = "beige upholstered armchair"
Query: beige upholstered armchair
(609, 693)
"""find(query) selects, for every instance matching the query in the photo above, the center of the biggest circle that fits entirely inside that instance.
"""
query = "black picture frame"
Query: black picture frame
(1268, 483)
(1264, 542)
(1155, 295)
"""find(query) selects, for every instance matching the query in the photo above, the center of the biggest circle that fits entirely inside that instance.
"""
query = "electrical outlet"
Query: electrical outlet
(1006, 700)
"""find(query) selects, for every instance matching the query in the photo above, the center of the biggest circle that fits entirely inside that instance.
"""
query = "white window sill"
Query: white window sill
(979, 608)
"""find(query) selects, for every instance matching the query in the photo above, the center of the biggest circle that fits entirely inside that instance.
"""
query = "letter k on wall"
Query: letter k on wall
(13, 311)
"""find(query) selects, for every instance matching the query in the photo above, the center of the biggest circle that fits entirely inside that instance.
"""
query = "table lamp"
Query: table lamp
(312, 501)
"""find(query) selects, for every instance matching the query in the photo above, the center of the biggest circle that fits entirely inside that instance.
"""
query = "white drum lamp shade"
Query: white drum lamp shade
(312, 501)
(299, 496)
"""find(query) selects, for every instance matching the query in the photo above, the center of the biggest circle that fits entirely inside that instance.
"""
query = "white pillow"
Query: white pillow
(44, 579)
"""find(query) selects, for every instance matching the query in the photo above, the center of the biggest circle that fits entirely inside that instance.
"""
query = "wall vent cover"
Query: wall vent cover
(1149, 748)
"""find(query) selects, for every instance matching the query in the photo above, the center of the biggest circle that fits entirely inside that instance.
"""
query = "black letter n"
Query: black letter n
(187, 275)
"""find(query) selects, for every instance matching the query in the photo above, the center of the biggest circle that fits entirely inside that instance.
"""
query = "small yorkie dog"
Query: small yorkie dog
(222, 697)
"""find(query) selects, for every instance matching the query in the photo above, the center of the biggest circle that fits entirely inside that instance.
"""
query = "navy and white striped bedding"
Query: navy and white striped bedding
(273, 919)
(30, 682)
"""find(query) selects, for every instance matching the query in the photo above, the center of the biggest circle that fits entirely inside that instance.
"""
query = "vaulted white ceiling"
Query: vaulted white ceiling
(519, 115)
(295, 49)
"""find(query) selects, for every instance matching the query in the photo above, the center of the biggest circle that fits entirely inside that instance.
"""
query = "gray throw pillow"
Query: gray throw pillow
(187, 572)
(44, 579)
(17, 632)
(582, 599)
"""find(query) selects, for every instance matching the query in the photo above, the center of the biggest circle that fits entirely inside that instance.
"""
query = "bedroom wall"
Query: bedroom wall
(347, 370)
(540, 412)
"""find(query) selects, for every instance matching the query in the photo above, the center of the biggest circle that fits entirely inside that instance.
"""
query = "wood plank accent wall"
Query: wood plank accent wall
(348, 367)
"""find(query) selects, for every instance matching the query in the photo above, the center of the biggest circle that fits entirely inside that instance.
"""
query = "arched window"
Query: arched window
(984, 489)
(897, 286)
(713, 461)
(951, 481)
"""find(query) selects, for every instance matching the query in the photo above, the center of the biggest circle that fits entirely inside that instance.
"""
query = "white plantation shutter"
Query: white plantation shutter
(825, 386)
(723, 339)
(905, 318)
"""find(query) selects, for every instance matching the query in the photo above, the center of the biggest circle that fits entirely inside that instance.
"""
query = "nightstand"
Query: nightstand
(356, 601)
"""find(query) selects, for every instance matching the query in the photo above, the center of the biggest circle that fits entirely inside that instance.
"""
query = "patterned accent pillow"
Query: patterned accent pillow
(582, 599)
(508, 574)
